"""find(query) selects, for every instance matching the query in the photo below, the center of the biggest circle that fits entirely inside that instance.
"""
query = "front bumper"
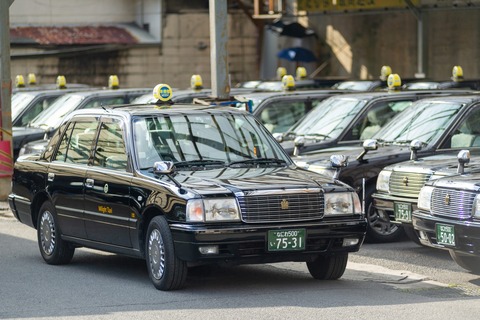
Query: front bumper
(386, 203)
(467, 233)
(248, 243)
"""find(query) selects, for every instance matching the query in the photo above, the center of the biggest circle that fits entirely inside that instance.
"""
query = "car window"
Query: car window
(77, 142)
(96, 103)
(110, 150)
(281, 115)
(33, 111)
(467, 133)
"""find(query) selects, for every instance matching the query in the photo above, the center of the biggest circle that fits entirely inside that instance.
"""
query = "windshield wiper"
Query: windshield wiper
(258, 161)
(198, 163)
(315, 135)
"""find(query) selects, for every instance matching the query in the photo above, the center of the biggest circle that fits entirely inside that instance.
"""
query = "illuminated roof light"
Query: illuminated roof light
(19, 81)
(162, 92)
(457, 73)
(385, 72)
(113, 82)
(394, 82)
(196, 82)
(61, 82)
(281, 71)
(288, 83)
(301, 73)
(32, 79)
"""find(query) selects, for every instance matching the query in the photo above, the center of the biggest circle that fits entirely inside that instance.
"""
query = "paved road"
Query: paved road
(401, 281)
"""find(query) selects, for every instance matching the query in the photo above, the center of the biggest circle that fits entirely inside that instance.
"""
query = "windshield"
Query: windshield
(329, 118)
(424, 120)
(19, 102)
(53, 116)
(204, 138)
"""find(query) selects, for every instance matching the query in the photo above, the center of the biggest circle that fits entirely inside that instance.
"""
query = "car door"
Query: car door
(107, 188)
(66, 174)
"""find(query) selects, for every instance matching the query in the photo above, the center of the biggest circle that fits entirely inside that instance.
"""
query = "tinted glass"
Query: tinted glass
(110, 150)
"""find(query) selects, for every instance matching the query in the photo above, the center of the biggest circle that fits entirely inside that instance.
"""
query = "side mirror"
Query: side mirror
(463, 159)
(278, 136)
(299, 142)
(338, 161)
(369, 144)
(415, 146)
(163, 167)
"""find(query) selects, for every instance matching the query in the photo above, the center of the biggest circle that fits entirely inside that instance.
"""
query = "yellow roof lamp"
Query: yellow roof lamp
(281, 71)
(32, 79)
(113, 82)
(163, 93)
(457, 73)
(385, 72)
(394, 82)
(61, 82)
(196, 82)
(288, 83)
(19, 81)
(301, 73)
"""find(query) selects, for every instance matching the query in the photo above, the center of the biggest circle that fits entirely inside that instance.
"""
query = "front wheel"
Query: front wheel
(54, 250)
(166, 271)
(330, 267)
(471, 263)
(412, 234)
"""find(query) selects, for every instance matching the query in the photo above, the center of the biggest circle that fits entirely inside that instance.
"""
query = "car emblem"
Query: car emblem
(447, 199)
(105, 188)
(405, 181)
(284, 204)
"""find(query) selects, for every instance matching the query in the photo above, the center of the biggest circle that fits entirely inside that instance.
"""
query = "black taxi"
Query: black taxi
(181, 185)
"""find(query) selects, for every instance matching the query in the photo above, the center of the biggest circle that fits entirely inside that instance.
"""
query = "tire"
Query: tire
(412, 234)
(53, 248)
(330, 267)
(379, 227)
(166, 271)
(470, 263)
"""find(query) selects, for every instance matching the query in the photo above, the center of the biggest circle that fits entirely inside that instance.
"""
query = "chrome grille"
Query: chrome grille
(452, 203)
(268, 208)
(407, 184)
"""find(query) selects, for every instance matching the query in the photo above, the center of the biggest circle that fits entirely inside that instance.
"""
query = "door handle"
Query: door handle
(89, 183)
(50, 176)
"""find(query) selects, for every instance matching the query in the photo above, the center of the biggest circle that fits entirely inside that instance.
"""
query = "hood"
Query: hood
(244, 180)
(468, 182)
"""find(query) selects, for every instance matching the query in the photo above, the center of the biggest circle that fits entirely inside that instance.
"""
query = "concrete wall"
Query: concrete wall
(358, 45)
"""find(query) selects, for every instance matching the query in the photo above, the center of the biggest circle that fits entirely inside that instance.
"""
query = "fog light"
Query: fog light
(208, 250)
(347, 242)
(423, 235)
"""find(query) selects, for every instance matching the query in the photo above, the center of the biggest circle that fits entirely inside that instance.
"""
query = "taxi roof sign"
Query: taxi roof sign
(394, 82)
(196, 82)
(457, 73)
(32, 79)
(301, 73)
(385, 72)
(113, 82)
(162, 92)
(61, 82)
(19, 81)
(281, 71)
(288, 83)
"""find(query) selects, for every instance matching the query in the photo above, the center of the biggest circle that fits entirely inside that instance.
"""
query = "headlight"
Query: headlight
(476, 207)
(339, 203)
(383, 181)
(425, 198)
(211, 210)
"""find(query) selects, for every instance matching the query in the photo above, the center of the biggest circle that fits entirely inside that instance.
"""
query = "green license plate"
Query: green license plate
(403, 212)
(286, 240)
(445, 234)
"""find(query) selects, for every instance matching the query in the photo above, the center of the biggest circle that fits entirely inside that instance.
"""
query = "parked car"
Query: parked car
(34, 138)
(182, 185)
(448, 217)
(398, 185)
(441, 124)
(348, 119)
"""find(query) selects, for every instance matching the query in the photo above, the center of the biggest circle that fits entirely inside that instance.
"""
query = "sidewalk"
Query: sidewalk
(5, 211)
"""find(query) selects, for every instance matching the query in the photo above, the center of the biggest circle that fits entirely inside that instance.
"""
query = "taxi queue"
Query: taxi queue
(433, 199)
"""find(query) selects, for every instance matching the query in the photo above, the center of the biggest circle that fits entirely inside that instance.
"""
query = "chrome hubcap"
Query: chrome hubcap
(47, 233)
(156, 254)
